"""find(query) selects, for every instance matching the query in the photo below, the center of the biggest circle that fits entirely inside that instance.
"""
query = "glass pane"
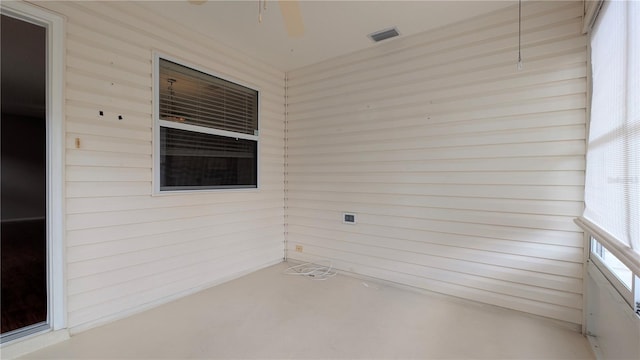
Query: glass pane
(23, 177)
(191, 160)
(192, 97)
(620, 270)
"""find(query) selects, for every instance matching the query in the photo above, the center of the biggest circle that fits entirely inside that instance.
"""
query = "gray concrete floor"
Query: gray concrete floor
(271, 315)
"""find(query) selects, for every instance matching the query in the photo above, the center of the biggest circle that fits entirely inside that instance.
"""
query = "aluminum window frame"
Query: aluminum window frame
(158, 123)
(625, 255)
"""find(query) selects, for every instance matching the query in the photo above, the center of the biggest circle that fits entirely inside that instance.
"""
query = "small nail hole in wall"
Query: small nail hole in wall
(101, 113)
(119, 117)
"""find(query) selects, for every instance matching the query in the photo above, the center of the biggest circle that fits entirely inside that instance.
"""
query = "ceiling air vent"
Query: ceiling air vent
(384, 34)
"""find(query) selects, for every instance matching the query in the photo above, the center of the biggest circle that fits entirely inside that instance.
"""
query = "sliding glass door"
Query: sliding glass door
(23, 174)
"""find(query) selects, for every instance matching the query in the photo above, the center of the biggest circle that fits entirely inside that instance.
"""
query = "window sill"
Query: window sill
(203, 191)
(625, 254)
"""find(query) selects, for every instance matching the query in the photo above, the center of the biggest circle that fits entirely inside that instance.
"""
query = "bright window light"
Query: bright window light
(613, 264)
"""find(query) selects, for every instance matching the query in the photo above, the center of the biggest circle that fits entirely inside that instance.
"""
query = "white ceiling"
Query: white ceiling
(331, 28)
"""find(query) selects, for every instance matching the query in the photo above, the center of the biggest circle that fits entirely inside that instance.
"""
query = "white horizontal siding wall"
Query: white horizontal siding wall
(465, 174)
(126, 249)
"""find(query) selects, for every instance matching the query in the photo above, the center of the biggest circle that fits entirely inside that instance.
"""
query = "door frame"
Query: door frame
(56, 288)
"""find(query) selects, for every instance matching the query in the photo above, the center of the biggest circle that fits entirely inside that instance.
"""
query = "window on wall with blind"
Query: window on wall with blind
(206, 130)
(612, 187)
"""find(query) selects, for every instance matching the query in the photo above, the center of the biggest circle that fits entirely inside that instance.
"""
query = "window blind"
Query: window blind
(612, 186)
(192, 97)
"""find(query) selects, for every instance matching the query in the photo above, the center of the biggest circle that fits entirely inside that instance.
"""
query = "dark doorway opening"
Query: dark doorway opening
(23, 175)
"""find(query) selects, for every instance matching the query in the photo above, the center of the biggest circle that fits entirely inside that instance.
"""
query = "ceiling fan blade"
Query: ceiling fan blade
(292, 17)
